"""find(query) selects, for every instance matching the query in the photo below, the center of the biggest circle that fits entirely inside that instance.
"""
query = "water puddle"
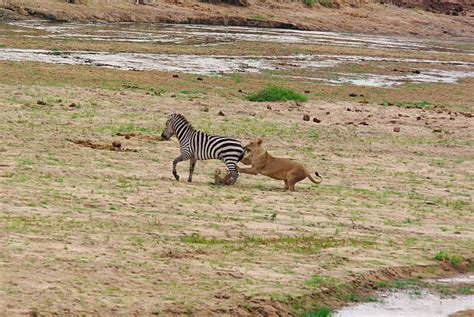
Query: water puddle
(206, 34)
(218, 65)
(403, 303)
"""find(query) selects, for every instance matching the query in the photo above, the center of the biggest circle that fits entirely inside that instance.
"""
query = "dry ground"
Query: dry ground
(90, 231)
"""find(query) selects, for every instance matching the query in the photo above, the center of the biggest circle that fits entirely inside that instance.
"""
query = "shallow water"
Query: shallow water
(405, 304)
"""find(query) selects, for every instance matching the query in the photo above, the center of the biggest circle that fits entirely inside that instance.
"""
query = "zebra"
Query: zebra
(197, 145)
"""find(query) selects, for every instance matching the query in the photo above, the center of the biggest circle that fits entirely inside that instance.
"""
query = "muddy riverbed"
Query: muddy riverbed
(288, 66)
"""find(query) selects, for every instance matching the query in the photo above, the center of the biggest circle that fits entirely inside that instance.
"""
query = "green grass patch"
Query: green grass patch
(276, 93)
(318, 312)
(309, 3)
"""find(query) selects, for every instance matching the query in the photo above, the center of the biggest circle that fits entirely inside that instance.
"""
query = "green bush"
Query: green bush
(320, 312)
(275, 93)
(441, 256)
(309, 3)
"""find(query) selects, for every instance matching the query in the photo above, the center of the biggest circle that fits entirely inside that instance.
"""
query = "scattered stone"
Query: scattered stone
(220, 113)
(307, 91)
(176, 76)
(316, 120)
(390, 104)
(363, 123)
(200, 79)
(418, 118)
(457, 232)
(61, 105)
(349, 123)
(451, 118)
(240, 90)
(72, 105)
(127, 136)
(437, 130)
(269, 107)
(400, 115)
(117, 144)
(306, 117)
(416, 71)
(173, 96)
(41, 103)
(393, 121)
(352, 94)
(361, 95)
(349, 109)
(205, 109)
(328, 112)
(364, 101)
(396, 129)
(59, 100)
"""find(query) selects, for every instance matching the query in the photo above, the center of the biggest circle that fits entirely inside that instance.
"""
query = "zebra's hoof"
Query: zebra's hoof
(176, 176)
(190, 180)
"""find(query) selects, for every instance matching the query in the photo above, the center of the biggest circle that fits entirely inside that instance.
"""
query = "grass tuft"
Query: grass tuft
(275, 93)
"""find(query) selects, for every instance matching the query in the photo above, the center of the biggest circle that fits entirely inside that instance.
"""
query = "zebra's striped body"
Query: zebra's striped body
(197, 145)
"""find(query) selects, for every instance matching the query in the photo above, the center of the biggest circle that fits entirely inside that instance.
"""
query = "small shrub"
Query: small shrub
(275, 93)
(441, 256)
(309, 3)
(326, 3)
(456, 260)
(56, 51)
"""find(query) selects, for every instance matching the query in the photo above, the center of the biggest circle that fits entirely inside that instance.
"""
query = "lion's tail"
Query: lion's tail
(317, 175)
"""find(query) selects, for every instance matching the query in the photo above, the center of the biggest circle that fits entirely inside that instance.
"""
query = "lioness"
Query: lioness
(275, 167)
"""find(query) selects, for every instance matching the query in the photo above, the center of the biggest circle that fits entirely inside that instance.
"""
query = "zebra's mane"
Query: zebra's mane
(185, 121)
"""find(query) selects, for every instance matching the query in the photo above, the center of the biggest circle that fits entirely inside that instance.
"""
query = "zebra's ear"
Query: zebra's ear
(259, 141)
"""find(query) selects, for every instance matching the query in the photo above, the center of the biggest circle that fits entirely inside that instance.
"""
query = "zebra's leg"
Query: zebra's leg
(232, 167)
(180, 158)
(192, 165)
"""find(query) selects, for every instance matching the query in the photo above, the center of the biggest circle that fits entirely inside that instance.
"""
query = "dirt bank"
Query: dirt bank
(372, 18)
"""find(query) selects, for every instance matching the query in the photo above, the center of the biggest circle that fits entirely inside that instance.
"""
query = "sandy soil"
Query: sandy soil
(371, 18)
(94, 231)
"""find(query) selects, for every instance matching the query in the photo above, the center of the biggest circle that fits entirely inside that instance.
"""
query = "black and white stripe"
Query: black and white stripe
(197, 145)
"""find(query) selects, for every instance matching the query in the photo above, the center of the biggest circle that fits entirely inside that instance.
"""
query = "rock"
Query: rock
(240, 90)
(269, 107)
(117, 144)
(363, 123)
(328, 112)
(352, 94)
(451, 118)
(364, 101)
(73, 105)
(396, 129)
(418, 118)
(306, 117)
(173, 96)
(200, 79)
(393, 121)
(316, 120)
(349, 123)
(175, 76)
(205, 109)
(127, 136)
(41, 103)
(437, 130)
(349, 109)
(220, 113)
(416, 71)
(307, 91)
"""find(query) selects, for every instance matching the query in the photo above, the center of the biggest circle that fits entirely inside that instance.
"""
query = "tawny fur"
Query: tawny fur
(219, 180)
(275, 167)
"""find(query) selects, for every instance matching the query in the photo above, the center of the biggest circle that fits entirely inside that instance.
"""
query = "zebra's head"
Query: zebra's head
(169, 127)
